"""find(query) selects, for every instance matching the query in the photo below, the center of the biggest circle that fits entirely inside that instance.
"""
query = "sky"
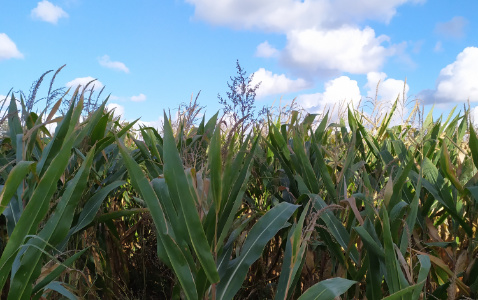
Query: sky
(153, 55)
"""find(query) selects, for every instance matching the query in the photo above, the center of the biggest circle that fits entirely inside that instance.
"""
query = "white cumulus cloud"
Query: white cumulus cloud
(266, 50)
(347, 49)
(272, 84)
(284, 15)
(8, 49)
(118, 110)
(139, 98)
(268, 15)
(106, 62)
(459, 80)
(324, 37)
(341, 90)
(83, 81)
(388, 90)
(48, 12)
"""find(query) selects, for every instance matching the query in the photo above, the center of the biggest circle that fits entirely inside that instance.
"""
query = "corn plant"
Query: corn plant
(46, 177)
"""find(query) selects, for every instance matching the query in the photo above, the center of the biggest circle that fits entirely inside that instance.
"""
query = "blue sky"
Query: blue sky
(152, 55)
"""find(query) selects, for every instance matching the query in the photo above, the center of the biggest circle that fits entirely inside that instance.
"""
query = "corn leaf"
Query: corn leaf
(327, 289)
(264, 230)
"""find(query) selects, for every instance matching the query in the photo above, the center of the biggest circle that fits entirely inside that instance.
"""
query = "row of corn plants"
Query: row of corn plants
(301, 209)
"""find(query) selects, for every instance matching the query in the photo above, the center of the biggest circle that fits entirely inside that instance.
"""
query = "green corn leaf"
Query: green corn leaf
(264, 230)
(169, 208)
(391, 262)
(234, 192)
(57, 271)
(98, 132)
(15, 178)
(215, 164)
(399, 183)
(58, 287)
(293, 257)
(386, 120)
(151, 166)
(106, 141)
(91, 207)
(374, 277)
(319, 132)
(278, 140)
(335, 227)
(450, 209)
(141, 184)
(307, 172)
(14, 124)
(425, 266)
(175, 255)
(413, 291)
(429, 118)
(327, 289)
(179, 189)
(37, 207)
(181, 267)
(474, 146)
(412, 216)
(447, 168)
(209, 128)
(53, 232)
(369, 243)
(287, 266)
(223, 260)
(119, 214)
(61, 133)
(352, 120)
(307, 122)
(324, 173)
(149, 139)
(371, 142)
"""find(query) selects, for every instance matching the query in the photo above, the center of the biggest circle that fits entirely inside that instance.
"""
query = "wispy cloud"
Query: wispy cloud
(438, 47)
(106, 62)
(139, 98)
(455, 28)
(8, 49)
(48, 12)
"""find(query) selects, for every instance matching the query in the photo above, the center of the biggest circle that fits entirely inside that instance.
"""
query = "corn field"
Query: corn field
(296, 207)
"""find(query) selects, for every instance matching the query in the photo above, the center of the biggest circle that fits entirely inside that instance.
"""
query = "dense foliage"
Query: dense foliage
(293, 208)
